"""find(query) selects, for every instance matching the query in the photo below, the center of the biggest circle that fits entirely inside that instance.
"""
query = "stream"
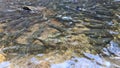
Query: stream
(59, 33)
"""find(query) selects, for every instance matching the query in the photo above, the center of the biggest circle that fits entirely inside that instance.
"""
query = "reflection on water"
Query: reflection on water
(93, 61)
(5, 64)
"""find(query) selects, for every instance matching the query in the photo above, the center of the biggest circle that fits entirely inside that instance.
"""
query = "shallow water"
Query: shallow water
(97, 34)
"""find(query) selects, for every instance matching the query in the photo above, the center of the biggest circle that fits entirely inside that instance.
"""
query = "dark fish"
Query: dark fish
(26, 8)
(77, 8)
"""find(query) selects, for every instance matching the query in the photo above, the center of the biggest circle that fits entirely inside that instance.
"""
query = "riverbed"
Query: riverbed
(59, 34)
